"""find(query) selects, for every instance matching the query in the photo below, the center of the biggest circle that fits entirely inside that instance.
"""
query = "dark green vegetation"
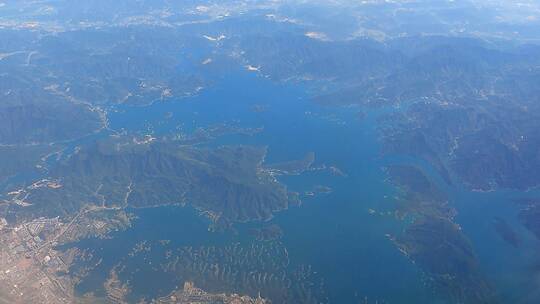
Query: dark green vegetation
(442, 250)
(55, 120)
(14, 160)
(257, 268)
(435, 242)
(35, 110)
(295, 166)
(467, 103)
(468, 108)
(228, 183)
(451, 85)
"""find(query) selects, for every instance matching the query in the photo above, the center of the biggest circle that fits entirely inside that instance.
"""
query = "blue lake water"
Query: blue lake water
(334, 232)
